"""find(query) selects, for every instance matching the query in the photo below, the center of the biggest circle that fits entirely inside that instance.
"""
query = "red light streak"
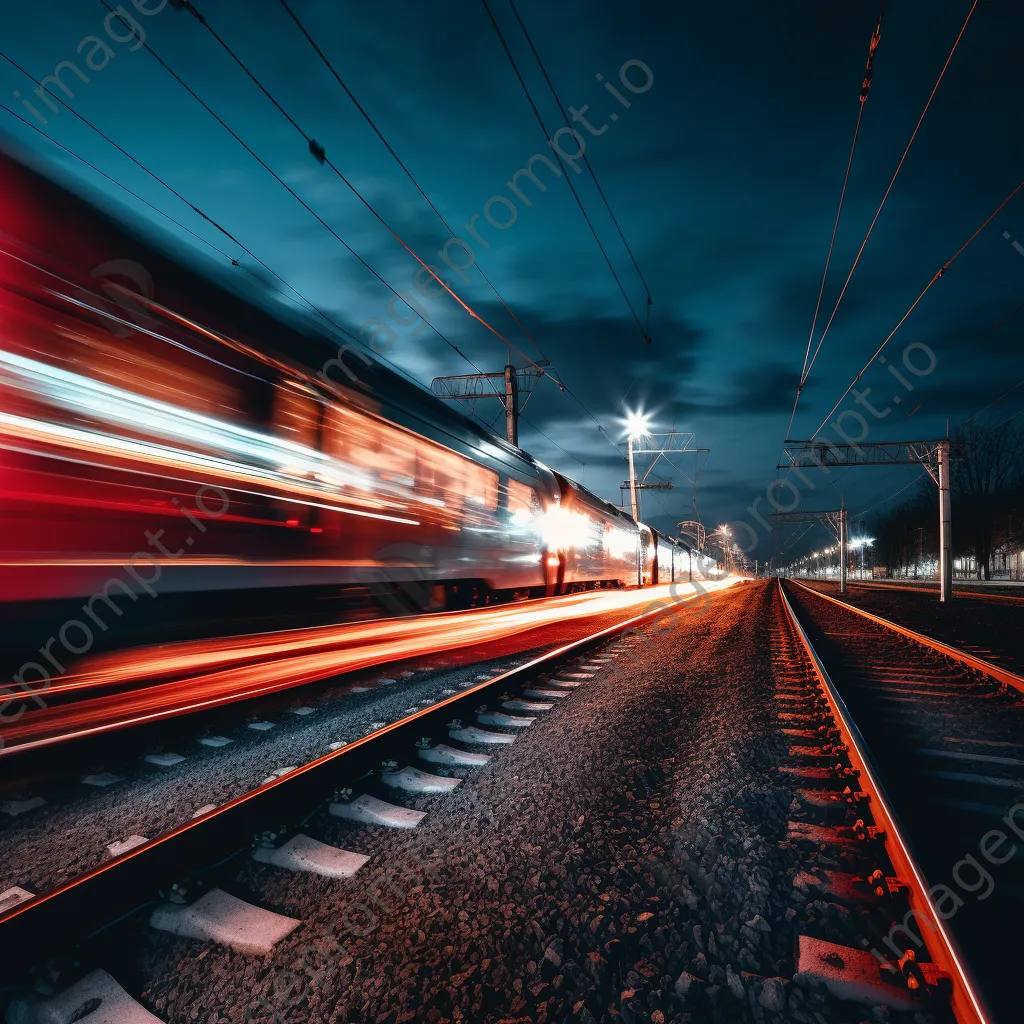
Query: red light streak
(203, 674)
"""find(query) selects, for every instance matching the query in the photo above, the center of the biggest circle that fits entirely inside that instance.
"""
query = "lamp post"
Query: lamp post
(723, 532)
(637, 425)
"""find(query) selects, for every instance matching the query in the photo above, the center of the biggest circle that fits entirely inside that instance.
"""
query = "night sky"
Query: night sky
(724, 176)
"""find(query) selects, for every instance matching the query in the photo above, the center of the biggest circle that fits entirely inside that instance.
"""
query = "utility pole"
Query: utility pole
(945, 526)
(934, 456)
(469, 387)
(640, 441)
(863, 545)
(842, 550)
(511, 406)
(836, 522)
(632, 483)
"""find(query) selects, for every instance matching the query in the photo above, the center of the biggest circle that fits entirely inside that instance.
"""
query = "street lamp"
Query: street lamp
(723, 531)
(637, 426)
(863, 543)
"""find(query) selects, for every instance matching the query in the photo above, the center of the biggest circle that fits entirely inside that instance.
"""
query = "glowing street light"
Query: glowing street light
(637, 426)
(862, 543)
(723, 531)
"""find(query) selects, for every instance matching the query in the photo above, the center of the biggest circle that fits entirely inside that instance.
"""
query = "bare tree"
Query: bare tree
(985, 485)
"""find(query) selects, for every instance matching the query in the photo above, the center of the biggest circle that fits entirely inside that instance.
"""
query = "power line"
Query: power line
(118, 184)
(560, 383)
(994, 401)
(864, 90)
(533, 426)
(369, 120)
(892, 182)
(568, 181)
(302, 203)
(870, 508)
(935, 277)
(152, 174)
(586, 159)
(319, 154)
(1007, 319)
(552, 373)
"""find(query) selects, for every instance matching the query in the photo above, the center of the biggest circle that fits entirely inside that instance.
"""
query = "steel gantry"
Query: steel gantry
(835, 520)
(661, 446)
(692, 529)
(934, 456)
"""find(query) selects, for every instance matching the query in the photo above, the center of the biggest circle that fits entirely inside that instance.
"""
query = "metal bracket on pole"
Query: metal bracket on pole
(471, 387)
(934, 456)
(836, 521)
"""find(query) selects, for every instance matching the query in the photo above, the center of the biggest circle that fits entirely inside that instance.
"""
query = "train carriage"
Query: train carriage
(144, 409)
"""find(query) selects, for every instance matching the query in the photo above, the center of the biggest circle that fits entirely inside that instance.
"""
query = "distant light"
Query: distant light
(637, 425)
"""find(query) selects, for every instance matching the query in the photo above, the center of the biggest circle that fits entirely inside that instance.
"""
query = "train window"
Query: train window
(522, 499)
(296, 417)
(397, 461)
(481, 487)
(364, 442)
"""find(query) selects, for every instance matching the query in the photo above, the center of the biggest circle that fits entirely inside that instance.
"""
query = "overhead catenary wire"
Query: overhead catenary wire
(305, 206)
(113, 181)
(924, 291)
(408, 173)
(888, 190)
(912, 483)
(319, 153)
(586, 159)
(864, 91)
(1005, 394)
(550, 440)
(552, 373)
(568, 180)
(178, 195)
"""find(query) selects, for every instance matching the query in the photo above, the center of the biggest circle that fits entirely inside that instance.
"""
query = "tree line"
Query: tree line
(987, 490)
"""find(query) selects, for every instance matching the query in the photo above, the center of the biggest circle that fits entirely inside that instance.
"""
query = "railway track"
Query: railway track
(364, 782)
(838, 847)
(958, 591)
(937, 736)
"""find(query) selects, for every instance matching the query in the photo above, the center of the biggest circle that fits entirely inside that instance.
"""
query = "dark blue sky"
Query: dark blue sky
(724, 176)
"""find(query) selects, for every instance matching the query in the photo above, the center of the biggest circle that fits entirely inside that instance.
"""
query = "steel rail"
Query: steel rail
(84, 905)
(927, 587)
(965, 999)
(1003, 675)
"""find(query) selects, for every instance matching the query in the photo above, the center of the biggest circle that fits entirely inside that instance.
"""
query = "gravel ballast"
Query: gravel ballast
(68, 835)
(625, 859)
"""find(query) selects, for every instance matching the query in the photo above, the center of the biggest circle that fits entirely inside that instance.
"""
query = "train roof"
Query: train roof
(84, 235)
(594, 500)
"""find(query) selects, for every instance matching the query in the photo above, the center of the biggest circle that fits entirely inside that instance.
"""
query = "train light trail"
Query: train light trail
(194, 676)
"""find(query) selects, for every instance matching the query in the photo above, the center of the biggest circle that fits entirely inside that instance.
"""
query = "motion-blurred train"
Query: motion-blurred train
(160, 434)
